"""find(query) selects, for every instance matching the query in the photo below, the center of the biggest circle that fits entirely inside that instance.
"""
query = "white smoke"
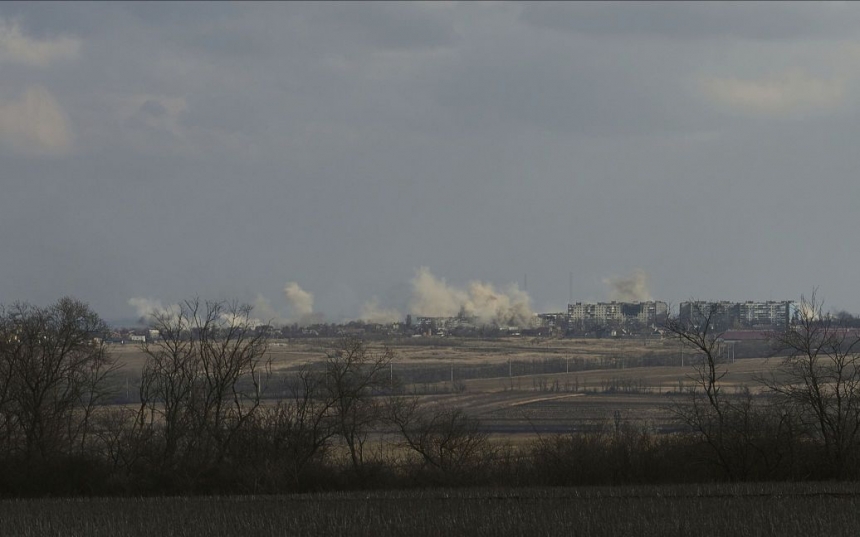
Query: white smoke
(149, 308)
(239, 319)
(262, 312)
(372, 312)
(151, 311)
(301, 301)
(433, 297)
(263, 309)
(301, 305)
(630, 289)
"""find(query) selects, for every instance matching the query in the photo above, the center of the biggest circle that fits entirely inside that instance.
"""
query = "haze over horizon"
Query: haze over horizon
(367, 151)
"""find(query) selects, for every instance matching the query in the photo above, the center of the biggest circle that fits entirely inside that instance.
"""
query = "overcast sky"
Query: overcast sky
(162, 151)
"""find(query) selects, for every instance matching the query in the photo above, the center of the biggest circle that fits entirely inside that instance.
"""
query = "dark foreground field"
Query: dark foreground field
(831, 509)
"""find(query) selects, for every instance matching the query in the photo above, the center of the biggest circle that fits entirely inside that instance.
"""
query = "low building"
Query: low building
(553, 320)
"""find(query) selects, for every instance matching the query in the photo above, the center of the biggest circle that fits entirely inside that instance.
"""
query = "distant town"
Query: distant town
(582, 319)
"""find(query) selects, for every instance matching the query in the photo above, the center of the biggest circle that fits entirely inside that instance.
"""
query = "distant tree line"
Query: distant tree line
(202, 425)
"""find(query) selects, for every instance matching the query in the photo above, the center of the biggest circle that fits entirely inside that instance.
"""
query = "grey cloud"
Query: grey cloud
(234, 112)
(242, 30)
(153, 108)
(34, 123)
(698, 20)
(219, 40)
(16, 46)
(555, 88)
(179, 14)
(49, 19)
(385, 25)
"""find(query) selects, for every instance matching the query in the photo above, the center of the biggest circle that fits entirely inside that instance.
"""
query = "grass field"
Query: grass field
(461, 351)
(604, 380)
(831, 509)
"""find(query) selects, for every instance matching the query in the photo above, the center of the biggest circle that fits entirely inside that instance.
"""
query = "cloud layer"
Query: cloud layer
(17, 47)
(784, 93)
(34, 123)
(210, 149)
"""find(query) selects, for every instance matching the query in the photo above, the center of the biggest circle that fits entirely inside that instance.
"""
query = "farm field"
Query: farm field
(464, 351)
(521, 387)
(788, 509)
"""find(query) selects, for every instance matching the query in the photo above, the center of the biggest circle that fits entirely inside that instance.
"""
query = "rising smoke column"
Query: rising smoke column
(372, 312)
(511, 307)
(302, 304)
(148, 308)
(433, 297)
(263, 309)
(301, 301)
(633, 288)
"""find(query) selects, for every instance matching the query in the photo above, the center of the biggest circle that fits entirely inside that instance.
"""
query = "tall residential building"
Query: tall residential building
(725, 315)
(770, 313)
(618, 313)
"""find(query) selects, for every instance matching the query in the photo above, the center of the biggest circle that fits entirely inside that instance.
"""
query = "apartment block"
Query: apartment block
(617, 313)
(724, 315)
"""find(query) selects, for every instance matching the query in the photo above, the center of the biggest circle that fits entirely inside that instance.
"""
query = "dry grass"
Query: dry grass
(285, 353)
(524, 405)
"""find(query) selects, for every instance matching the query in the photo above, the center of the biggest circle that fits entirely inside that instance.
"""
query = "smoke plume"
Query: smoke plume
(263, 309)
(302, 304)
(239, 319)
(631, 289)
(433, 297)
(372, 312)
(151, 311)
(147, 308)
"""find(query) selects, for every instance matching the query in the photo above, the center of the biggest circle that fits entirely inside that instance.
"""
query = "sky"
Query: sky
(331, 159)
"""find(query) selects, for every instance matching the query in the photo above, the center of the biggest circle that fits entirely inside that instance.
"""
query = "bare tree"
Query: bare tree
(167, 381)
(732, 426)
(705, 410)
(354, 374)
(447, 439)
(819, 378)
(53, 374)
(299, 428)
(9, 341)
(202, 380)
